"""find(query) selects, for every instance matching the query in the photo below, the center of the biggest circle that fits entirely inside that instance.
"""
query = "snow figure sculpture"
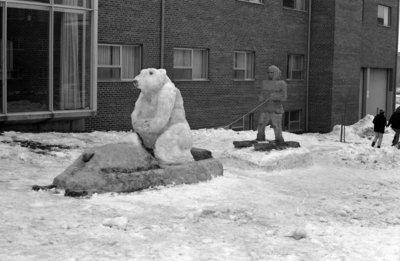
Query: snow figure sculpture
(274, 90)
(159, 117)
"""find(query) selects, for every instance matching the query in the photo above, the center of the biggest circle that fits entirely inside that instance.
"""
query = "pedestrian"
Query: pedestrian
(379, 128)
(394, 121)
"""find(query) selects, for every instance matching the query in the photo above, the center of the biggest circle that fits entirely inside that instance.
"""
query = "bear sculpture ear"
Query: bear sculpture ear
(163, 71)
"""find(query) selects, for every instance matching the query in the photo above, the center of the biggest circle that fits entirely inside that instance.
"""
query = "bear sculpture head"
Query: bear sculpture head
(151, 80)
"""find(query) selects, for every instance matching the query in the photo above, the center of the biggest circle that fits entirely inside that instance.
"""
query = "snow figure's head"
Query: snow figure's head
(274, 73)
(151, 80)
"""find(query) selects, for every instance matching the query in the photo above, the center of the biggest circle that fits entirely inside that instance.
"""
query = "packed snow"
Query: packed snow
(327, 200)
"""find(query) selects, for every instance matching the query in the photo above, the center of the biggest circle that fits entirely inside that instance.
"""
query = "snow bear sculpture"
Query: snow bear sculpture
(159, 117)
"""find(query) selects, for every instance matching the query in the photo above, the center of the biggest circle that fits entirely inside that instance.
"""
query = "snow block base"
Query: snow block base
(265, 145)
(244, 143)
(272, 145)
(83, 177)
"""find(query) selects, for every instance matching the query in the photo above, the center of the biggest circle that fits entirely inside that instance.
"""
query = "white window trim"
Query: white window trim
(290, 67)
(117, 66)
(191, 65)
(246, 78)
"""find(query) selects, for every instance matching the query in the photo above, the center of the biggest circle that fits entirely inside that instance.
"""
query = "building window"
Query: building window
(384, 15)
(39, 82)
(292, 120)
(295, 67)
(243, 65)
(253, 1)
(295, 4)
(190, 64)
(118, 62)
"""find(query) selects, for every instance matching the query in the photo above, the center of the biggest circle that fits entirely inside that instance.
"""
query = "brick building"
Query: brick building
(337, 56)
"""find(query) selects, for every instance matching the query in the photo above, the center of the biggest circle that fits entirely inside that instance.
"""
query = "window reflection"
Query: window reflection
(71, 61)
(28, 60)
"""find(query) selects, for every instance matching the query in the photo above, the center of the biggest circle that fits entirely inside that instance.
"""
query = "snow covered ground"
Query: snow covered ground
(324, 201)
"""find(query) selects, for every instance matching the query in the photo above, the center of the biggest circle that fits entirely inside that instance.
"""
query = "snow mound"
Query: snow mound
(362, 129)
(117, 222)
(274, 160)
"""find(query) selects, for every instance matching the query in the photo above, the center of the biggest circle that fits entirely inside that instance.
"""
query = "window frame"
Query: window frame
(297, 5)
(289, 121)
(389, 18)
(51, 112)
(191, 66)
(120, 66)
(258, 2)
(290, 68)
(246, 78)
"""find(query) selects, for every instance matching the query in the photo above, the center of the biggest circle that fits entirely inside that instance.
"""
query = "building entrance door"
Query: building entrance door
(375, 90)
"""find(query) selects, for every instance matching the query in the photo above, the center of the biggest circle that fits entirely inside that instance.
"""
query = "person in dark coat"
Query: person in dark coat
(379, 128)
(394, 121)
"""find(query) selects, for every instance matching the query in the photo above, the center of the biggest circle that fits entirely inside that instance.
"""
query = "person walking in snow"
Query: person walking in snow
(395, 122)
(379, 128)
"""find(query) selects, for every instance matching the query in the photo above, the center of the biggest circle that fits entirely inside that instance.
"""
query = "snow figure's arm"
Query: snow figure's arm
(165, 105)
(137, 122)
(263, 93)
(283, 90)
(281, 93)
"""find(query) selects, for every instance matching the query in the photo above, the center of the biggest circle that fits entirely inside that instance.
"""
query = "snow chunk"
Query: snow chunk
(118, 222)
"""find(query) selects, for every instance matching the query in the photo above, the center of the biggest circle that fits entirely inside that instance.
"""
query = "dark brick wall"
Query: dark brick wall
(223, 27)
(345, 39)
(220, 26)
(321, 64)
(125, 22)
(346, 61)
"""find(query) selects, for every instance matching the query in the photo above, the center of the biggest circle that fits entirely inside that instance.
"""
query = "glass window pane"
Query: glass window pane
(199, 64)
(129, 57)
(297, 62)
(300, 4)
(286, 121)
(182, 74)
(381, 11)
(28, 51)
(108, 74)
(109, 55)
(297, 75)
(40, 1)
(294, 126)
(138, 61)
(239, 74)
(182, 58)
(250, 66)
(81, 3)
(294, 115)
(71, 61)
(383, 15)
(386, 16)
(204, 70)
(289, 3)
(239, 61)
